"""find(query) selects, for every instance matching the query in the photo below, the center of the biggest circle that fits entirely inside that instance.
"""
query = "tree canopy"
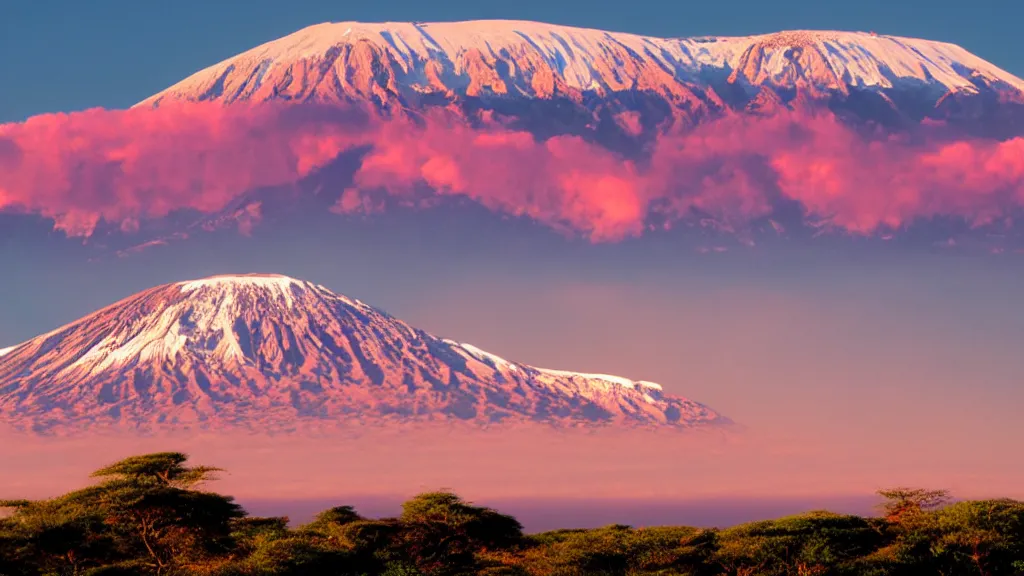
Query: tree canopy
(149, 515)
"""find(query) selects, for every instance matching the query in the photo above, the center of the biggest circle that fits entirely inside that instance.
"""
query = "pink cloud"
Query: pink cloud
(123, 166)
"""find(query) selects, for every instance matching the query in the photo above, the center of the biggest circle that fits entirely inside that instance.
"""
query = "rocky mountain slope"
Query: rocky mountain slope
(274, 353)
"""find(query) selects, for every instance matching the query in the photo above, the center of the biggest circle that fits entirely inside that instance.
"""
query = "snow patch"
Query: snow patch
(274, 284)
(269, 281)
(5, 351)
(651, 385)
(483, 356)
(157, 339)
(624, 382)
(590, 379)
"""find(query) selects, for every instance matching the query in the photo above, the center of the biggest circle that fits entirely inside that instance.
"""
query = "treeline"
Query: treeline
(149, 515)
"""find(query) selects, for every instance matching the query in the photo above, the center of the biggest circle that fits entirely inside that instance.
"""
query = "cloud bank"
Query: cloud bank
(126, 165)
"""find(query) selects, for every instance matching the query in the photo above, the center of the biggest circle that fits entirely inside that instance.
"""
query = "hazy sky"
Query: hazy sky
(896, 366)
(906, 358)
(62, 55)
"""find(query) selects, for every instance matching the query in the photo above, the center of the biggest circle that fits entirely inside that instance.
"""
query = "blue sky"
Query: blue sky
(62, 55)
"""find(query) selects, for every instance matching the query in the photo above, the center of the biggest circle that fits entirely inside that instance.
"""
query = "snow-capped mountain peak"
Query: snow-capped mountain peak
(272, 285)
(508, 58)
(274, 352)
(273, 282)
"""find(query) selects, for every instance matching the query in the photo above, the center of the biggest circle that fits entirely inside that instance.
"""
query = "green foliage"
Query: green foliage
(400, 569)
(813, 543)
(251, 533)
(333, 518)
(293, 556)
(482, 527)
(442, 534)
(164, 468)
(147, 516)
(63, 535)
(983, 537)
(620, 549)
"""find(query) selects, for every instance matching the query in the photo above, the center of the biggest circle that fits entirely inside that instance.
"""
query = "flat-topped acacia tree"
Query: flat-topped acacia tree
(145, 511)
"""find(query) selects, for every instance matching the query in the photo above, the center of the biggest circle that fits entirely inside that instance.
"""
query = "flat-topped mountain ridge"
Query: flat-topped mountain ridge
(411, 65)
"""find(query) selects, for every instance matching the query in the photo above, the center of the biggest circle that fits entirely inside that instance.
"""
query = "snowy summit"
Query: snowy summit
(414, 64)
(272, 352)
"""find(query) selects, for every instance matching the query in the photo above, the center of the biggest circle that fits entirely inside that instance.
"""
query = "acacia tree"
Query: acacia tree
(153, 504)
(146, 512)
(901, 503)
(166, 469)
(441, 533)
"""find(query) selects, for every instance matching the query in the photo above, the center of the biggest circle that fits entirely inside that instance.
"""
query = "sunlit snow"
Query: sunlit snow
(589, 59)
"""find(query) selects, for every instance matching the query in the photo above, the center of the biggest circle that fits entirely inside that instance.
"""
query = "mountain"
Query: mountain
(267, 352)
(642, 99)
(492, 64)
